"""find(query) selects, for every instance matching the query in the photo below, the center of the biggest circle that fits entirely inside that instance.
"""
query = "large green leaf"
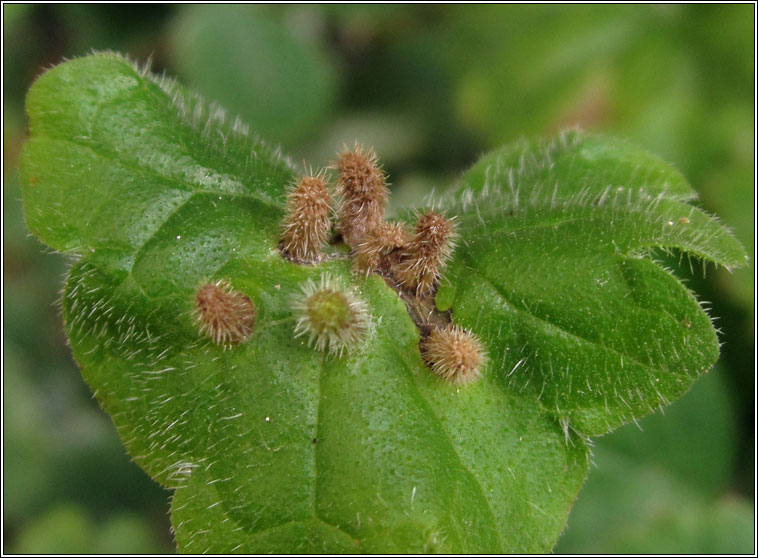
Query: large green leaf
(272, 446)
(554, 271)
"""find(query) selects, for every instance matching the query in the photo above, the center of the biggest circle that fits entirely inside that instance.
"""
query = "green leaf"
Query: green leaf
(553, 270)
(270, 446)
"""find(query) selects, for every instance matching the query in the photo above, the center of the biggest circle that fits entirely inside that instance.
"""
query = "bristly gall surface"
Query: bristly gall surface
(455, 354)
(332, 317)
(362, 193)
(380, 248)
(424, 257)
(223, 314)
(307, 222)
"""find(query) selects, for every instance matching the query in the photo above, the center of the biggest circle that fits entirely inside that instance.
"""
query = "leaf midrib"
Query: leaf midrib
(427, 406)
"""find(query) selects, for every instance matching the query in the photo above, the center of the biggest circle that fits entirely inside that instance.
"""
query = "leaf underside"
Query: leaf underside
(272, 446)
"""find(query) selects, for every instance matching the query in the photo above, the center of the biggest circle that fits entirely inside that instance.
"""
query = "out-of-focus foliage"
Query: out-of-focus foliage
(678, 79)
(283, 83)
(59, 449)
(430, 87)
(68, 529)
(664, 486)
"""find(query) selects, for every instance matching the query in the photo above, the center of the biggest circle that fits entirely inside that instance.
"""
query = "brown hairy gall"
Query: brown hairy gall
(307, 223)
(223, 314)
(380, 247)
(330, 316)
(455, 354)
(362, 192)
(423, 258)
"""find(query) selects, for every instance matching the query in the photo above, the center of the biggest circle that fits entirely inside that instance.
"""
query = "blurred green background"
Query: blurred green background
(431, 88)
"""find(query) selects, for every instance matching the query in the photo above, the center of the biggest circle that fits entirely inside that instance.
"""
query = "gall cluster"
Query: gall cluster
(331, 317)
(409, 259)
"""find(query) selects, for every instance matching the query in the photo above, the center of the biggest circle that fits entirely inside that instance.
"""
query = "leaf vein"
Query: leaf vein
(428, 408)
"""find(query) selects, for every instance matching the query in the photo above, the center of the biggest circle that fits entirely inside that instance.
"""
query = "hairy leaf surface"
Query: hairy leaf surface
(272, 446)
(554, 269)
